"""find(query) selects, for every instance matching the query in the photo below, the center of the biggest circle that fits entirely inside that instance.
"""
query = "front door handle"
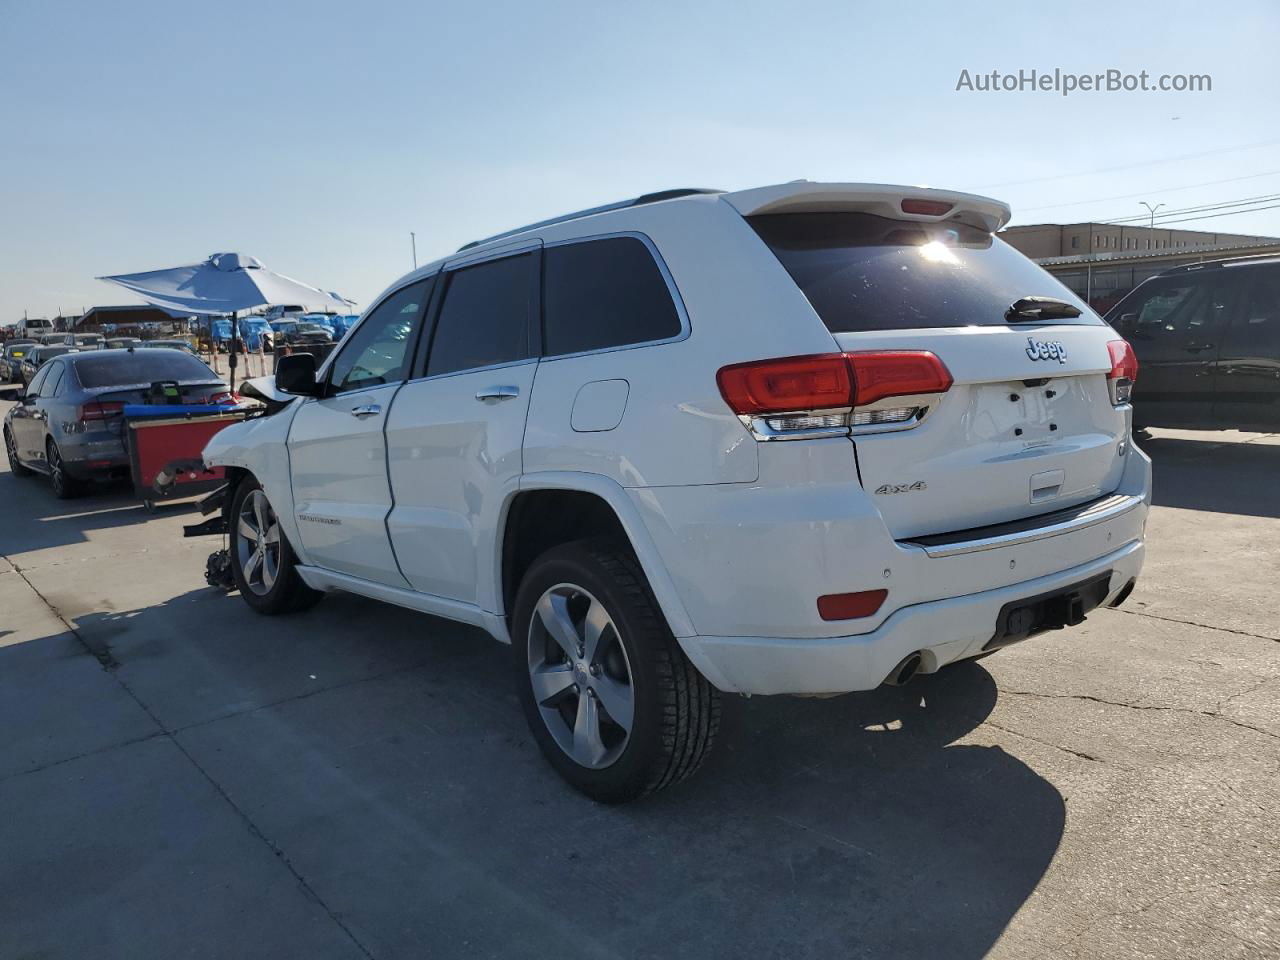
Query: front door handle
(1197, 347)
(368, 410)
(498, 393)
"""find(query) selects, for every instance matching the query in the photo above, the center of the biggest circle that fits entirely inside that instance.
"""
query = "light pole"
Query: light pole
(1151, 210)
(413, 242)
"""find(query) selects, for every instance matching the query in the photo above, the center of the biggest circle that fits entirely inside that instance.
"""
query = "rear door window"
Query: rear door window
(864, 272)
(598, 294)
(485, 317)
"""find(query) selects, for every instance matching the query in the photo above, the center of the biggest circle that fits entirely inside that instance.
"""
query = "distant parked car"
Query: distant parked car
(1207, 336)
(11, 359)
(35, 327)
(325, 320)
(281, 310)
(120, 343)
(167, 345)
(256, 334)
(69, 424)
(38, 357)
(56, 339)
(90, 341)
(292, 333)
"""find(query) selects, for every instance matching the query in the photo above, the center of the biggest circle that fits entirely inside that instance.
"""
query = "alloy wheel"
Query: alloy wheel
(258, 543)
(581, 677)
(57, 476)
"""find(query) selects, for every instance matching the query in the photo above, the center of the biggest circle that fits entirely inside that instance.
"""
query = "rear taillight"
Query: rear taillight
(827, 394)
(101, 410)
(1124, 371)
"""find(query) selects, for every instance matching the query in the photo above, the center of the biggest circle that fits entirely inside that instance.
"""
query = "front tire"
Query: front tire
(263, 563)
(614, 704)
(16, 466)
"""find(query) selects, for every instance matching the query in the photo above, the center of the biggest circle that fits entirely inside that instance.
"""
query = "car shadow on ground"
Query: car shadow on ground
(1215, 475)
(404, 787)
(49, 522)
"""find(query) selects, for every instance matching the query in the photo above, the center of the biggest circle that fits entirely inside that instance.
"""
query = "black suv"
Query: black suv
(1207, 337)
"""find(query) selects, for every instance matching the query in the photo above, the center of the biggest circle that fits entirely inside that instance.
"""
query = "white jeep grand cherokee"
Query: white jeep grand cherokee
(803, 439)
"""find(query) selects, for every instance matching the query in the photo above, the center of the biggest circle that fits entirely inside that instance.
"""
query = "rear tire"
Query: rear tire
(588, 632)
(65, 486)
(264, 567)
(16, 466)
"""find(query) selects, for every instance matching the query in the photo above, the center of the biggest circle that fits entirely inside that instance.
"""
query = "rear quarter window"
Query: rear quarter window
(864, 272)
(604, 293)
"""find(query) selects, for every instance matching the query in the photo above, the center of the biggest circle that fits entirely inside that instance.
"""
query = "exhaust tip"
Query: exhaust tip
(907, 668)
(1123, 595)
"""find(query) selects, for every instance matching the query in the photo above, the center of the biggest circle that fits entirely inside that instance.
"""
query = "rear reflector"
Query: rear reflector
(926, 208)
(1124, 370)
(850, 606)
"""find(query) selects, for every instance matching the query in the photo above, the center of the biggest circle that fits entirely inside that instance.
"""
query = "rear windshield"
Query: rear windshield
(863, 272)
(142, 366)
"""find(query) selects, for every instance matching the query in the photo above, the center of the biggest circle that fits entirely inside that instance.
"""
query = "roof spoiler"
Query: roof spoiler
(923, 204)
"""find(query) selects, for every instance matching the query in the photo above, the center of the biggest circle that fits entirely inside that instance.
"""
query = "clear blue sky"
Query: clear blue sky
(316, 135)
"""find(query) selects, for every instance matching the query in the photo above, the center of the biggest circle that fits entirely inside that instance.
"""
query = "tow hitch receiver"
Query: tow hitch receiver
(1065, 607)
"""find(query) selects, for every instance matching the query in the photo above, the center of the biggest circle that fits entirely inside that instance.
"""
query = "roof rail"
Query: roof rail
(641, 200)
(1257, 258)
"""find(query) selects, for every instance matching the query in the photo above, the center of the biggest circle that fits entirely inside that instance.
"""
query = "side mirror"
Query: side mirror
(296, 374)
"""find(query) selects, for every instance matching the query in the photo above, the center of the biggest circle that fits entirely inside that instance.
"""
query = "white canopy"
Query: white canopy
(226, 283)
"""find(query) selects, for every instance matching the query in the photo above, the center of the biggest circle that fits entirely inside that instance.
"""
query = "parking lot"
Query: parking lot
(179, 777)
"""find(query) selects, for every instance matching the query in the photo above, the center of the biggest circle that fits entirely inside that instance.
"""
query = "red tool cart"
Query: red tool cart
(165, 444)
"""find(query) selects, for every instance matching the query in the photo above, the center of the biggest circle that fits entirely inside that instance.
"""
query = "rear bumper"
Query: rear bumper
(944, 631)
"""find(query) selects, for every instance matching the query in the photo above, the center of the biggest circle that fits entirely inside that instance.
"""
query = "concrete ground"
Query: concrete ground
(181, 778)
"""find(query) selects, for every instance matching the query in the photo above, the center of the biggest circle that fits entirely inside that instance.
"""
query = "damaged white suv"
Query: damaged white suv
(802, 439)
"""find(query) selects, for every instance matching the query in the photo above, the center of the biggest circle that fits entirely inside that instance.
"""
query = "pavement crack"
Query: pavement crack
(80, 756)
(99, 651)
(1141, 706)
(1056, 746)
(1194, 623)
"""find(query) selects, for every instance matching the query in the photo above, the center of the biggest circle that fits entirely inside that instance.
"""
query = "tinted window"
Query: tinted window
(863, 272)
(380, 350)
(1172, 308)
(33, 388)
(485, 316)
(1255, 324)
(604, 293)
(141, 366)
(54, 378)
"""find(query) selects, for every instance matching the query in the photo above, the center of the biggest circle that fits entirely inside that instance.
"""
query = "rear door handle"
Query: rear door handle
(498, 393)
(1197, 347)
(368, 410)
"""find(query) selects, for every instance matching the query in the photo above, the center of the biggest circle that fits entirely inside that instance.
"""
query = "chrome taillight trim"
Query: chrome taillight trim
(924, 404)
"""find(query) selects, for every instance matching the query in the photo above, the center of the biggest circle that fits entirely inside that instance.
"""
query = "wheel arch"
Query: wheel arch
(553, 508)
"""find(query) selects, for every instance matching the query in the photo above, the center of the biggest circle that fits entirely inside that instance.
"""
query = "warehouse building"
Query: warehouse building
(1101, 262)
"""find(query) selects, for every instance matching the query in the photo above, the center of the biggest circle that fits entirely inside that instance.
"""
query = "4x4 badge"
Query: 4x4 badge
(1046, 350)
(902, 487)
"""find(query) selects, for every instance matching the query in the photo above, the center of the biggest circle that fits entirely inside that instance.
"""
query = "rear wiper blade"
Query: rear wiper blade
(1031, 309)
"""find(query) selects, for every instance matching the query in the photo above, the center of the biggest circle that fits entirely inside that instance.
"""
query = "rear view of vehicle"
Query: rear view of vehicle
(955, 474)
(70, 424)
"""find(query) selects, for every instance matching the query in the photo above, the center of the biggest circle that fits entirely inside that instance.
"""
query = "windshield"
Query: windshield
(142, 366)
(864, 272)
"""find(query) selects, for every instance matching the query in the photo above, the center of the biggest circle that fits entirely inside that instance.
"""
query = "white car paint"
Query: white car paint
(736, 536)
